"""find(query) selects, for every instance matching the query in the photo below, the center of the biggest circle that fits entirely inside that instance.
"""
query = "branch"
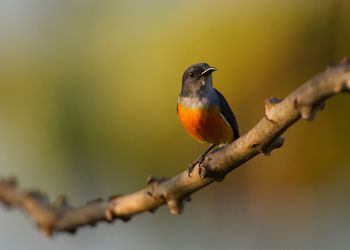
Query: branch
(304, 103)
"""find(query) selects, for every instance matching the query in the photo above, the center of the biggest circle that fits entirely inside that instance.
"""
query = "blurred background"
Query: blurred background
(88, 91)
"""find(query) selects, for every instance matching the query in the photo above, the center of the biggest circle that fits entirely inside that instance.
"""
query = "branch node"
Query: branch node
(109, 215)
(153, 184)
(152, 179)
(269, 104)
(267, 149)
(61, 203)
(162, 197)
(37, 195)
(308, 111)
(175, 206)
(205, 171)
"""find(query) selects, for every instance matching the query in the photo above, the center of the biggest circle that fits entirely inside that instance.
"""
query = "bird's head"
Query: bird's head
(196, 79)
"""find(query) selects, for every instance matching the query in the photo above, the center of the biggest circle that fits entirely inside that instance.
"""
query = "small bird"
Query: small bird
(203, 110)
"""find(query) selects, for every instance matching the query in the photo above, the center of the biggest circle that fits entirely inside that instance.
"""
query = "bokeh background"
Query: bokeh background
(88, 91)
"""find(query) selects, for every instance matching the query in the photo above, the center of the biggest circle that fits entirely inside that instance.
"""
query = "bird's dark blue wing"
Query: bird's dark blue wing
(228, 114)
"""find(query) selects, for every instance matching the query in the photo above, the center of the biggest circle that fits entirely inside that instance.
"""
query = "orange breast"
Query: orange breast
(206, 125)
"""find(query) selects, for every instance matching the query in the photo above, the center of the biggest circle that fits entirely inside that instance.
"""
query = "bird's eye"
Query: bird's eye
(191, 74)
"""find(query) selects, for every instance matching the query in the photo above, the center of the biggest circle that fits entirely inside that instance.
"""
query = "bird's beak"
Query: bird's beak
(208, 71)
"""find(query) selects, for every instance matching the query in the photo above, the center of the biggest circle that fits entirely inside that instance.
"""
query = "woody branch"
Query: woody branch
(304, 102)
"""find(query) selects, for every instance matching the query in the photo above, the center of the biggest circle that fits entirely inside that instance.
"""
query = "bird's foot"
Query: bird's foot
(199, 161)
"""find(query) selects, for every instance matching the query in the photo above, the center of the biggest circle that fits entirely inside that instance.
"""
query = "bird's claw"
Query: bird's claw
(190, 168)
(199, 161)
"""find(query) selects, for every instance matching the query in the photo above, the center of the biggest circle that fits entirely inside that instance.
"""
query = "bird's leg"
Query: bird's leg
(199, 160)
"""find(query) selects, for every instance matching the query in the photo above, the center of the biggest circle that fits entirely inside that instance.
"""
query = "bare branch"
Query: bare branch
(304, 103)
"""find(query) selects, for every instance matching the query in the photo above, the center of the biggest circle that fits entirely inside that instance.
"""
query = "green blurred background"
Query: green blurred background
(88, 91)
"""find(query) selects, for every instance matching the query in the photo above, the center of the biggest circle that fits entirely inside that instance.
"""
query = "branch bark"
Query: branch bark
(303, 103)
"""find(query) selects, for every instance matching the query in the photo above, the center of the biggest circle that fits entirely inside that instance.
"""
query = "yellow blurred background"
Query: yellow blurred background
(88, 93)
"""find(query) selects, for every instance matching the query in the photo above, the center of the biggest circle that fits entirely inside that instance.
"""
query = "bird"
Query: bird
(204, 112)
